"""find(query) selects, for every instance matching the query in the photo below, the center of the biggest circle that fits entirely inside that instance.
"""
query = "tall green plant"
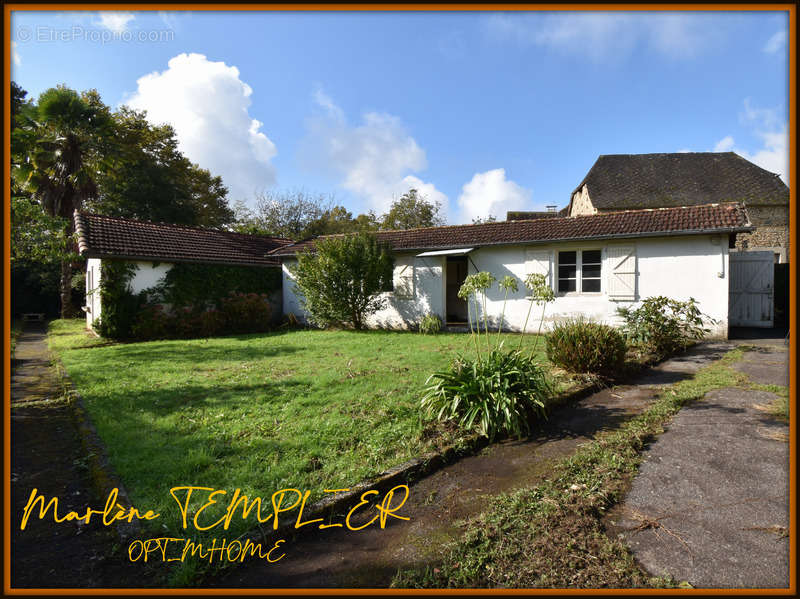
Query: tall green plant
(499, 392)
(541, 295)
(507, 283)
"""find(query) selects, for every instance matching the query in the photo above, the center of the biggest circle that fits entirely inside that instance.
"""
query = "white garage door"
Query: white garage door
(751, 300)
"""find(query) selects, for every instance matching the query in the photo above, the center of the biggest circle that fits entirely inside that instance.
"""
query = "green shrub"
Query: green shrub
(583, 346)
(152, 323)
(341, 281)
(500, 393)
(430, 324)
(246, 312)
(664, 326)
(238, 313)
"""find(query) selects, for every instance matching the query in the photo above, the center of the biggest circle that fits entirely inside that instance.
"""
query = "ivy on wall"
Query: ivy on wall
(204, 284)
(120, 306)
(189, 289)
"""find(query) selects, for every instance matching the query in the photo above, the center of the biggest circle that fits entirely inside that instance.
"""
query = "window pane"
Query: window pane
(565, 285)
(591, 271)
(567, 272)
(590, 285)
(591, 257)
(566, 257)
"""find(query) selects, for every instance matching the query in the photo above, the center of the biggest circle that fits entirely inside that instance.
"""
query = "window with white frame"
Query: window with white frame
(579, 271)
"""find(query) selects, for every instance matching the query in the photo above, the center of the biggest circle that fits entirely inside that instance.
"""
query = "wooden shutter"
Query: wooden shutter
(404, 277)
(621, 280)
(539, 262)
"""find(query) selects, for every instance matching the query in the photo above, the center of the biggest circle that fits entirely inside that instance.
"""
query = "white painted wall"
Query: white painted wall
(92, 291)
(147, 274)
(677, 267)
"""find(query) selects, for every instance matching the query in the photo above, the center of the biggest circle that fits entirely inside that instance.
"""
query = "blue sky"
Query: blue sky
(484, 112)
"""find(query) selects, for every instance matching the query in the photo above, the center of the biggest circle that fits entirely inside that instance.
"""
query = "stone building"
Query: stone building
(651, 181)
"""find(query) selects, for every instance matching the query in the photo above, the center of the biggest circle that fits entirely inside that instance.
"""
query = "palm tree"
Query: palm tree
(59, 147)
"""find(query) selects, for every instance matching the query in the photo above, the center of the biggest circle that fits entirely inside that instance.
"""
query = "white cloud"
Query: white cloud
(724, 145)
(115, 21)
(15, 54)
(605, 35)
(375, 160)
(772, 129)
(207, 104)
(776, 42)
(490, 193)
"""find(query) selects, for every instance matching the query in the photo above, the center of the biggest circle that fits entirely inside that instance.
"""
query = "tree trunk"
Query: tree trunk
(67, 309)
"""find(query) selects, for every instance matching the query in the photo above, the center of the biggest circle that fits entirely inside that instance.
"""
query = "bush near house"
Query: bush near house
(664, 326)
(340, 283)
(238, 313)
(582, 346)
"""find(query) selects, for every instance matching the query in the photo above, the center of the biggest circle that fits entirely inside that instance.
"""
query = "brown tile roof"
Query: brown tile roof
(715, 218)
(531, 215)
(111, 237)
(633, 181)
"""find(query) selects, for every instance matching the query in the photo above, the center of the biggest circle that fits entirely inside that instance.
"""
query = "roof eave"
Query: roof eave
(105, 256)
(683, 232)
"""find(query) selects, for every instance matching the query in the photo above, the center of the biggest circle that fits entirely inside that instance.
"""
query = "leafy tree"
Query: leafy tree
(58, 148)
(70, 151)
(481, 220)
(341, 280)
(412, 211)
(289, 214)
(299, 215)
(153, 181)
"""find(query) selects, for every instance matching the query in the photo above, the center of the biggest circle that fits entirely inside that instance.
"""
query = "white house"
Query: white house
(594, 263)
(155, 247)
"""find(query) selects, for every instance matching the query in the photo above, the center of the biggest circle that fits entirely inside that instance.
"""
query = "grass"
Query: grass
(552, 535)
(300, 409)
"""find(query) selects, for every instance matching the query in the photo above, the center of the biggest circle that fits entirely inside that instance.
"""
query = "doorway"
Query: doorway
(455, 307)
(751, 295)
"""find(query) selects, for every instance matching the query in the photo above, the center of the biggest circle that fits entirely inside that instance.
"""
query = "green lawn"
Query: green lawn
(305, 409)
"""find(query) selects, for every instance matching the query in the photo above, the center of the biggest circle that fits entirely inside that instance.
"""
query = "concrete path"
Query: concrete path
(46, 454)
(437, 503)
(710, 503)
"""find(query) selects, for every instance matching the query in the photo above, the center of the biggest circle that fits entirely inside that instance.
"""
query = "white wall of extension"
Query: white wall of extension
(679, 267)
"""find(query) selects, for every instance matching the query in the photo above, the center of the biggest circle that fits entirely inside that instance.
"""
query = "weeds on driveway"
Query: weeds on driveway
(552, 535)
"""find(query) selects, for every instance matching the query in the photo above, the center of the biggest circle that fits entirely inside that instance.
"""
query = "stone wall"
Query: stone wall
(772, 230)
(581, 204)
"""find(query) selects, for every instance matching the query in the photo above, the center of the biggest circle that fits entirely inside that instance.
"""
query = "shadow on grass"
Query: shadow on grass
(196, 353)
